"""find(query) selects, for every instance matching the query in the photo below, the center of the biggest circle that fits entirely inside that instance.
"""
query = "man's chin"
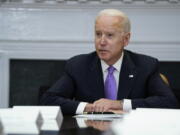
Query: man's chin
(104, 58)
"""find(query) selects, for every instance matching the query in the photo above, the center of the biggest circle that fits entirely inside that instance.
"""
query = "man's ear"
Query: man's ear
(127, 38)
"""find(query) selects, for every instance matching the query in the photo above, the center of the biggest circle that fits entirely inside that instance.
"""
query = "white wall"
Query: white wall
(60, 31)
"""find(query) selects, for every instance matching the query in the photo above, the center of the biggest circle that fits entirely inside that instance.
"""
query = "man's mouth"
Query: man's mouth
(103, 51)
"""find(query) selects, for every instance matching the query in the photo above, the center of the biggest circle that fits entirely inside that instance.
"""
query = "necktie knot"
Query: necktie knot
(111, 69)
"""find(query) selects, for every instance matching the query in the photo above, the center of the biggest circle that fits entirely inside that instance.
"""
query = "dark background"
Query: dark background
(30, 78)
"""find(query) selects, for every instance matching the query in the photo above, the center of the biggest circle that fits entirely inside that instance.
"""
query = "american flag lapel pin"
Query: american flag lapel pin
(131, 76)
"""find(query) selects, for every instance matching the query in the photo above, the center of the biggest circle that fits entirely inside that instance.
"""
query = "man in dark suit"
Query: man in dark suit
(112, 78)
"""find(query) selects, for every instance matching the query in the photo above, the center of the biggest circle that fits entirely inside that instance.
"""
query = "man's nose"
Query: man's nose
(103, 40)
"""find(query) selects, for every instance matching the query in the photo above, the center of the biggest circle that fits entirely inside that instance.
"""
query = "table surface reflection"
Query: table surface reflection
(70, 127)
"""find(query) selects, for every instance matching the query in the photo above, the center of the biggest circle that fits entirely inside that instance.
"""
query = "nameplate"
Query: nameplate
(20, 122)
(52, 116)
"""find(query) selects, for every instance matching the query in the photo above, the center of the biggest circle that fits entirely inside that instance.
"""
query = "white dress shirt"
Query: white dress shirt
(127, 106)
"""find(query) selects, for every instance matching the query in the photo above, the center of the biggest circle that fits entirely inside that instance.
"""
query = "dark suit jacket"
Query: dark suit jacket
(83, 81)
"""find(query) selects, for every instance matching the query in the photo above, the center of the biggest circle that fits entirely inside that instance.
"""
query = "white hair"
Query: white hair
(114, 12)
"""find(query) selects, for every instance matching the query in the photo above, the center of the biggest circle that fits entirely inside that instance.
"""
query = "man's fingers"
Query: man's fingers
(101, 107)
(89, 108)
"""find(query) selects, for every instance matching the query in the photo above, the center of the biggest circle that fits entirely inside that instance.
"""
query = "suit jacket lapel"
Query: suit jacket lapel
(127, 77)
(96, 78)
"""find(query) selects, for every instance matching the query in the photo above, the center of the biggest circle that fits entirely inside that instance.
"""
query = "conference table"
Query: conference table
(70, 127)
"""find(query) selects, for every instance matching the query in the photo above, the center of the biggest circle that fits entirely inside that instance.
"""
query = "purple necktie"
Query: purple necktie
(110, 84)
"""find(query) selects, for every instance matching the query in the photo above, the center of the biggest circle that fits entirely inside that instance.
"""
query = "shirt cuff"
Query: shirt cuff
(80, 108)
(127, 106)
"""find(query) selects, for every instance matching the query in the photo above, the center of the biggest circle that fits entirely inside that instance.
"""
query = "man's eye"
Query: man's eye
(98, 34)
(110, 35)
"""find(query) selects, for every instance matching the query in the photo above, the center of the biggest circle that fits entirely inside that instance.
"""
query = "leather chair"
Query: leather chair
(164, 78)
(175, 91)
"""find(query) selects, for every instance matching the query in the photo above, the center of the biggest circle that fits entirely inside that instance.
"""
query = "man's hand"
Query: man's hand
(89, 108)
(104, 105)
(118, 111)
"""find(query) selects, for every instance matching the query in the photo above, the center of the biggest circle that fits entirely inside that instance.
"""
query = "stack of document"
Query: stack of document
(99, 116)
(149, 122)
(52, 116)
(20, 122)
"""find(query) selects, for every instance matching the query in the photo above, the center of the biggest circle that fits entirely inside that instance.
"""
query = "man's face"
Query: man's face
(110, 38)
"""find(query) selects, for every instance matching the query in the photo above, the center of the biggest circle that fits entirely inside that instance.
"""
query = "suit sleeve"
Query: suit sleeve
(62, 93)
(159, 94)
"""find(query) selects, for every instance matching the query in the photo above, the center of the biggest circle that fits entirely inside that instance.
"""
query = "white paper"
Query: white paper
(149, 122)
(18, 122)
(52, 116)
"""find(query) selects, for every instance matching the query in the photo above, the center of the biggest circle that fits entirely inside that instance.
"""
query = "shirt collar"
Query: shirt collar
(117, 65)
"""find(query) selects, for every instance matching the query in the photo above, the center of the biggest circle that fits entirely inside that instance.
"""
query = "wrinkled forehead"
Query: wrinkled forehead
(109, 21)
